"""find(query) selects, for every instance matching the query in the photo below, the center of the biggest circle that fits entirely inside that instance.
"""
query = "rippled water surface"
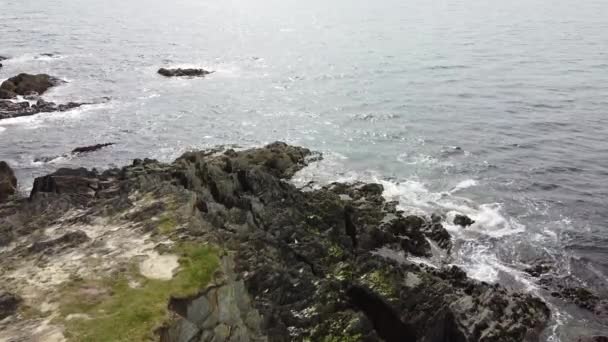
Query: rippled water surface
(495, 109)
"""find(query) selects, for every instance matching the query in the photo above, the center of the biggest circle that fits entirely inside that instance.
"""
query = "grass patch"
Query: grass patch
(119, 312)
(166, 224)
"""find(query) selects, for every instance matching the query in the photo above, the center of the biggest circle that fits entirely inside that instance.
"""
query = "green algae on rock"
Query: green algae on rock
(130, 307)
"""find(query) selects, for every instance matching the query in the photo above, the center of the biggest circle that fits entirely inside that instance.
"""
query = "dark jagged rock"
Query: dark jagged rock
(579, 296)
(74, 152)
(23, 84)
(295, 265)
(92, 148)
(42, 106)
(10, 109)
(183, 72)
(463, 220)
(538, 270)
(8, 181)
(80, 182)
(9, 303)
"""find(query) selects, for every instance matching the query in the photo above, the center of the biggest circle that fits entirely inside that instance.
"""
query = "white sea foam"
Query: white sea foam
(475, 252)
(29, 57)
(467, 183)
(39, 120)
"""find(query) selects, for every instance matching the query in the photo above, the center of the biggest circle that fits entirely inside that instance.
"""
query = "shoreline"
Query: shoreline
(303, 259)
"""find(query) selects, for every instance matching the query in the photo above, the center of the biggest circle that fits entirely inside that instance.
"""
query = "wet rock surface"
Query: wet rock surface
(538, 270)
(320, 265)
(8, 181)
(91, 148)
(11, 109)
(24, 84)
(75, 152)
(593, 339)
(463, 221)
(179, 72)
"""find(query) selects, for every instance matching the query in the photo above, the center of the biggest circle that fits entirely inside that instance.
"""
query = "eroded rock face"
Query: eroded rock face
(179, 72)
(8, 181)
(325, 264)
(24, 84)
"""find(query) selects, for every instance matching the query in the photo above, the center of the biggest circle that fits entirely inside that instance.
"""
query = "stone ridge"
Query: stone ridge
(327, 264)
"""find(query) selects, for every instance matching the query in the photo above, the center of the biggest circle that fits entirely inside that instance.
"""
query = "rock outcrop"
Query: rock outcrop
(179, 72)
(92, 148)
(24, 84)
(11, 109)
(463, 220)
(259, 259)
(8, 181)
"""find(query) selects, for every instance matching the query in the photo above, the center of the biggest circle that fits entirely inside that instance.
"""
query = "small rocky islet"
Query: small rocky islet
(30, 87)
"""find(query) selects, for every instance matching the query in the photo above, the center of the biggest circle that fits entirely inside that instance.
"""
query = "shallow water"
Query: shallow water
(386, 89)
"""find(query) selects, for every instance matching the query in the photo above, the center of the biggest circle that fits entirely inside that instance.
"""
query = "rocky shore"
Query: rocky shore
(220, 246)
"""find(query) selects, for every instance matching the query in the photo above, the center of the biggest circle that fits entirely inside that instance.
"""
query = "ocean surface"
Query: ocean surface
(494, 109)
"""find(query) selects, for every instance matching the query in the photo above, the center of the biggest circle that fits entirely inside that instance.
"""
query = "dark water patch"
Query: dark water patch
(447, 67)
(558, 170)
(544, 186)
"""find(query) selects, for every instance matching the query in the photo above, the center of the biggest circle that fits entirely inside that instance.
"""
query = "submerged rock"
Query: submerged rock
(92, 148)
(293, 265)
(23, 84)
(538, 270)
(75, 152)
(463, 220)
(593, 339)
(579, 296)
(8, 181)
(183, 72)
(10, 109)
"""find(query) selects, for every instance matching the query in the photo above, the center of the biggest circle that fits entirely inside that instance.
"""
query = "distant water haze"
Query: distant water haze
(493, 109)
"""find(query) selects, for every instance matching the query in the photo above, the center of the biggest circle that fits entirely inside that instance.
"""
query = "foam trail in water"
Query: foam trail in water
(29, 57)
(476, 244)
(38, 120)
